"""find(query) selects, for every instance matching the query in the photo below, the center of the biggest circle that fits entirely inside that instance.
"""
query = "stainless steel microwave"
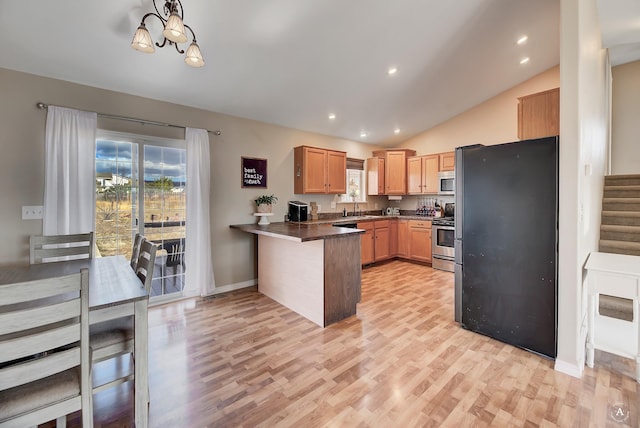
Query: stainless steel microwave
(446, 183)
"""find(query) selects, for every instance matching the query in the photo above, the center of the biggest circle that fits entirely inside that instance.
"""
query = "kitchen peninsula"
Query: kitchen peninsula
(312, 269)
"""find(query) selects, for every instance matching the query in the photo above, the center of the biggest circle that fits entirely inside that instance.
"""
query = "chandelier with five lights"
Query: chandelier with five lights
(173, 33)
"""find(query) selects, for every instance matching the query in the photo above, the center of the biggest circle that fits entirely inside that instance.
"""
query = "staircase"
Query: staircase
(620, 232)
(620, 225)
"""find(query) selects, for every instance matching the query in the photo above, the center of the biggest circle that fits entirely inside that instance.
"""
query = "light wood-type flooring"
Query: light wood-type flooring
(242, 360)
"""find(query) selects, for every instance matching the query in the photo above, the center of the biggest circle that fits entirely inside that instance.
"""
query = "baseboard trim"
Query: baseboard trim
(232, 287)
(570, 369)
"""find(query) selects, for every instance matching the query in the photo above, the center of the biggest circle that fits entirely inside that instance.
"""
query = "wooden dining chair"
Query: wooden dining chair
(135, 250)
(175, 253)
(115, 337)
(45, 363)
(43, 249)
(146, 262)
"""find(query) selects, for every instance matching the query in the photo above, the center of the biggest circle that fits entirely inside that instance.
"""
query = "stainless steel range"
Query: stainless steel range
(442, 240)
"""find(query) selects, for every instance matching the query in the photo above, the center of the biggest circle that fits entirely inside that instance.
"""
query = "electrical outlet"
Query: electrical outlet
(333, 204)
(319, 208)
(32, 212)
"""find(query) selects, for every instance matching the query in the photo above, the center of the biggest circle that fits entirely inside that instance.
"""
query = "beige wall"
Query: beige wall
(625, 126)
(22, 163)
(493, 122)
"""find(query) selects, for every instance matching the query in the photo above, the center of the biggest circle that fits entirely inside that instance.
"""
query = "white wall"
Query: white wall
(583, 147)
(625, 126)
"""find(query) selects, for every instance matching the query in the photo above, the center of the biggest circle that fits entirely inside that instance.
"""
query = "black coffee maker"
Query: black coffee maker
(298, 211)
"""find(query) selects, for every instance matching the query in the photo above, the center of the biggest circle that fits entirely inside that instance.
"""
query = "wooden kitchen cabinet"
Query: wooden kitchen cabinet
(375, 242)
(366, 243)
(403, 238)
(422, 174)
(447, 161)
(393, 237)
(395, 170)
(381, 242)
(414, 175)
(420, 240)
(336, 172)
(539, 114)
(375, 176)
(319, 170)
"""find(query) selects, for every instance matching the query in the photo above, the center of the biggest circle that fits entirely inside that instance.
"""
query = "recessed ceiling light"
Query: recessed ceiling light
(363, 134)
(332, 116)
(392, 71)
(524, 60)
(396, 131)
(522, 40)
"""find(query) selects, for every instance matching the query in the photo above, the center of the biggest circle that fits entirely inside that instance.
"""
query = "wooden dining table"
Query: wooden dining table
(114, 291)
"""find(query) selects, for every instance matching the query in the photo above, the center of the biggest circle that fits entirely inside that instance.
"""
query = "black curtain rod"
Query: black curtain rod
(44, 106)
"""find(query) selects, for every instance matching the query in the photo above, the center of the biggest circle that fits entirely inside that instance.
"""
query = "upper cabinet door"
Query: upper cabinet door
(375, 176)
(447, 161)
(430, 167)
(314, 170)
(414, 175)
(422, 174)
(336, 172)
(319, 170)
(539, 115)
(395, 173)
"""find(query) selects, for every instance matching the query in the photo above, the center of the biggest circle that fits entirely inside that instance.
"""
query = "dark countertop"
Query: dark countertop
(317, 229)
(362, 218)
(300, 232)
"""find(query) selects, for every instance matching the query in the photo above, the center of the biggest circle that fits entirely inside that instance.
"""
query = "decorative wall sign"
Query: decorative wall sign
(254, 172)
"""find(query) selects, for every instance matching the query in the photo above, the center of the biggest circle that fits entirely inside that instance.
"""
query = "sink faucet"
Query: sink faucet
(355, 208)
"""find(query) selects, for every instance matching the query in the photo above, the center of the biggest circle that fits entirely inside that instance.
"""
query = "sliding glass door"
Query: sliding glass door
(116, 196)
(165, 214)
(154, 206)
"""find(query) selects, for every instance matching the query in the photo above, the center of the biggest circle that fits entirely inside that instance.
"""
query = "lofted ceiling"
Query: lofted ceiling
(293, 62)
(620, 26)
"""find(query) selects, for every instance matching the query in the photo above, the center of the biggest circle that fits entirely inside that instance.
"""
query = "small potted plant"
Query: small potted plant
(264, 203)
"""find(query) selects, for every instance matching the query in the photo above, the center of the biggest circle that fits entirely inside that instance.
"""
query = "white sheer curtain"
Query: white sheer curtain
(199, 279)
(70, 158)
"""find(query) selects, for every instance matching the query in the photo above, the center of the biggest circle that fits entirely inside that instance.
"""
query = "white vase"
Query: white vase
(264, 208)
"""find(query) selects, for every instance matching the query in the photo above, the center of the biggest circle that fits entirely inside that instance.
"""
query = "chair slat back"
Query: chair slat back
(44, 249)
(39, 368)
(135, 251)
(146, 262)
(44, 338)
(38, 317)
(175, 252)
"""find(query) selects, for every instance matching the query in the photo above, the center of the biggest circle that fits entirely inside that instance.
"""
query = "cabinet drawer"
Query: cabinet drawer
(420, 224)
(382, 223)
(366, 225)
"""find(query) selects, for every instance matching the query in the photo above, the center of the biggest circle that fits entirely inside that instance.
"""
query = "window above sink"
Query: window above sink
(356, 187)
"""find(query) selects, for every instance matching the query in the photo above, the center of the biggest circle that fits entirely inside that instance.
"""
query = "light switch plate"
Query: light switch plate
(32, 212)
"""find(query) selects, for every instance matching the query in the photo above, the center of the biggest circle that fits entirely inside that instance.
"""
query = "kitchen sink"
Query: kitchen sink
(351, 219)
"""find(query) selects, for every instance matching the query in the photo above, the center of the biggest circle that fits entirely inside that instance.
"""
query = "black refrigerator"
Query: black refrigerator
(506, 242)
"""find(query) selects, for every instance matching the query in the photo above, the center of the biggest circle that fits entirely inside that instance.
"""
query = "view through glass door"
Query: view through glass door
(154, 206)
(165, 215)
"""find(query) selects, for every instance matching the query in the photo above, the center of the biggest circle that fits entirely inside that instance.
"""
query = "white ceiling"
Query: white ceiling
(292, 62)
(620, 25)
